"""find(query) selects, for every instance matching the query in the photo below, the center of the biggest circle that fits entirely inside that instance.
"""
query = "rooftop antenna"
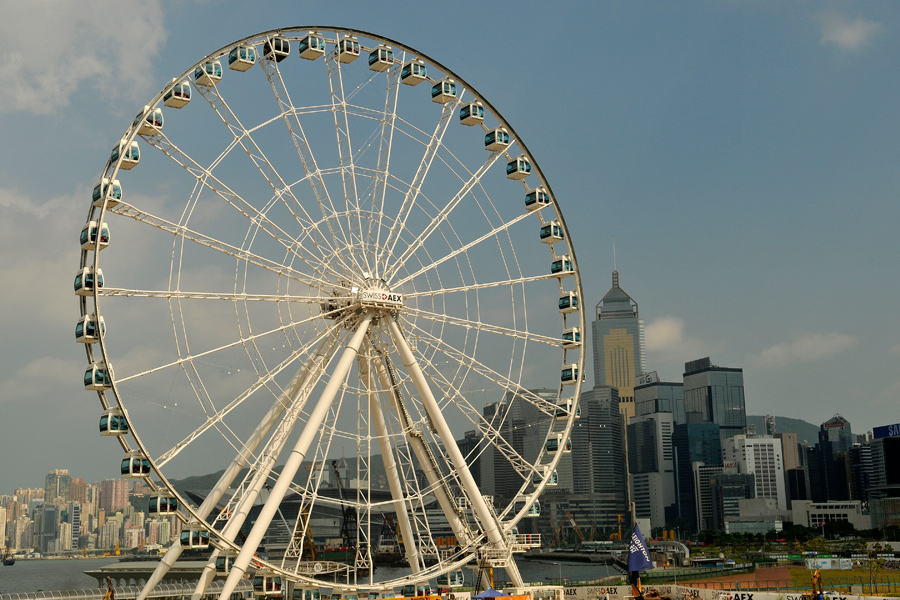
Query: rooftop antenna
(614, 253)
(615, 273)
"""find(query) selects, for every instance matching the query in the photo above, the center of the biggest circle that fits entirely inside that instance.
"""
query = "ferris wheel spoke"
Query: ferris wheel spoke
(217, 417)
(435, 142)
(481, 327)
(280, 188)
(291, 116)
(480, 286)
(227, 296)
(445, 212)
(548, 408)
(463, 249)
(207, 180)
(345, 150)
(386, 139)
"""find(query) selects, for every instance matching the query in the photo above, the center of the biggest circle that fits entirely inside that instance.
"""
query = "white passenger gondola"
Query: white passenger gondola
(443, 91)
(312, 46)
(568, 302)
(89, 329)
(84, 281)
(571, 338)
(533, 511)
(299, 593)
(569, 374)
(276, 48)
(135, 465)
(130, 154)
(381, 58)
(267, 584)
(562, 267)
(241, 58)
(194, 537)
(413, 72)
(545, 473)
(179, 95)
(518, 168)
(348, 49)
(451, 579)
(163, 503)
(149, 121)
(537, 198)
(551, 232)
(472, 113)
(564, 410)
(496, 139)
(103, 191)
(224, 562)
(89, 236)
(208, 73)
(113, 422)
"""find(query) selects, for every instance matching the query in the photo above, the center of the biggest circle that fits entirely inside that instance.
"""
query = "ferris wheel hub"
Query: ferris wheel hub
(380, 297)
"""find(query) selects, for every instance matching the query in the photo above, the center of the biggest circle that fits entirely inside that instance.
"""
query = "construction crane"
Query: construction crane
(348, 514)
(576, 529)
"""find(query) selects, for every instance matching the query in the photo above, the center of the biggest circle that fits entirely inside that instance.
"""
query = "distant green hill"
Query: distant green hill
(805, 431)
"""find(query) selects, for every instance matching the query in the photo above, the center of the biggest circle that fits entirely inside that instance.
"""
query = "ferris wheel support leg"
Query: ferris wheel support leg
(393, 475)
(298, 453)
(488, 521)
(426, 461)
(227, 478)
(297, 393)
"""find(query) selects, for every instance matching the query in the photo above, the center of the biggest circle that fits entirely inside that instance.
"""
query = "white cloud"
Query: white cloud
(847, 33)
(50, 49)
(668, 346)
(806, 348)
(664, 333)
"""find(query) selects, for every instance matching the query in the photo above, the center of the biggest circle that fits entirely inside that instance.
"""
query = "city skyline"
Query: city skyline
(741, 155)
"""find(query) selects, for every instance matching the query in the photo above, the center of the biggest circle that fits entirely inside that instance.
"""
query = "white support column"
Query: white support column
(488, 521)
(240, 461)
(310, 375)
(292, 465)
(392, 473)
(448, 506)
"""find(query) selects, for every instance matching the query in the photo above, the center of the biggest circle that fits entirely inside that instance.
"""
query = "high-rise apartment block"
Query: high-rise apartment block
(618, 344)
(58, 486)
(761, 457)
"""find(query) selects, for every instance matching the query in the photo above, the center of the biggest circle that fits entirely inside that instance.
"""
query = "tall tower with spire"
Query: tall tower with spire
(619, 348)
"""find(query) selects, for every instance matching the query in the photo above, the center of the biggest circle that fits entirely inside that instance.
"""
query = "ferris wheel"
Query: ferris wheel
(353, 292)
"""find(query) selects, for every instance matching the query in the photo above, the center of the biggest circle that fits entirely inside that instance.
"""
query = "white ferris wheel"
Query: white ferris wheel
(297, 253)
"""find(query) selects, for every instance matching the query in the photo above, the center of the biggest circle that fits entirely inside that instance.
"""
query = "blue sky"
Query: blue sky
(741, 153)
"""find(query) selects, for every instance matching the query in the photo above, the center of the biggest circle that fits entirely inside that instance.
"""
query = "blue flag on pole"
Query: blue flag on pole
(638, 553)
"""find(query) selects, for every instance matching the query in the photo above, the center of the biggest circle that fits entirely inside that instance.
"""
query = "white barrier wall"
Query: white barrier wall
(678, 592)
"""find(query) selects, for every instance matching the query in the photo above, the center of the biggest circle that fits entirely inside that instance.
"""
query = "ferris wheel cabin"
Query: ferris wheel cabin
(568, 302)
(564, 410)
(224, 561)
(381, 58)
(149, 121)
(472, 113)
(551, 232)
(496, 139)
(299, 593)
(312, 46)
(194, 537)
(413, 73)
(209, 73)
(89, 236)
(562, 267)
(89, 329)
(277, 49)
(554, 444)
(569, 374)
(103, 191)
(130, 154)
(267, 584)
(348, 49)
(135, 465)
(571, 338)
(113, 422)
(537, 198)
(518, 168)
(551, 477)
(533, 511)
(453, 579)
(163, 503)
(443, 91)
(84, 281)
(241, 58)
(98, 376)
(179, 95)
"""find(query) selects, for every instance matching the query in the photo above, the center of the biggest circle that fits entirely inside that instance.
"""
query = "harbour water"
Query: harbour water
(68, 574)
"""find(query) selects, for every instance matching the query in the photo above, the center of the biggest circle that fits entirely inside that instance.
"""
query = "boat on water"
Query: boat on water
(8, 559)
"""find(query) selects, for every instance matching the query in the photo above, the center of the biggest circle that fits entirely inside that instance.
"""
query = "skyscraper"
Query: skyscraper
(58, 484)
(113, 494)
(714, 394)
(619, 348)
